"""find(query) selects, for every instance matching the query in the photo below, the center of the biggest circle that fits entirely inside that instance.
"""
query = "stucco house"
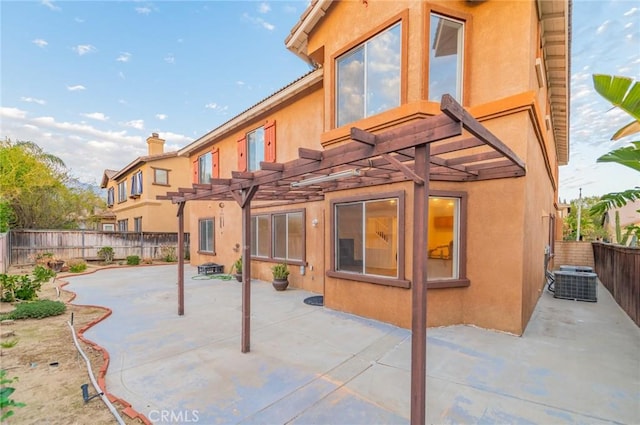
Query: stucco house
(132, 191)
(419, 156)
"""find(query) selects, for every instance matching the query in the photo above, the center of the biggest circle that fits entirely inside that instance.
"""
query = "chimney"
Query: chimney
(156, 144)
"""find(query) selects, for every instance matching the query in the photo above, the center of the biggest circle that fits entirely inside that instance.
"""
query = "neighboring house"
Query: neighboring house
(357, 235)
(628, 214)
(132, 191)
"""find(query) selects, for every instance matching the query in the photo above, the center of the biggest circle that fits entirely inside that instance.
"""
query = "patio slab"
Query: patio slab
(577, 362)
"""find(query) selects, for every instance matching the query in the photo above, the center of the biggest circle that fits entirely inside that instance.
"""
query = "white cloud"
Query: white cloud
(96, 116)
(143, 10)
(121, 75)
(175, 141)
(137, 124)
(170, 58)
(50, 5)
(124, 57)
(76, 87)
(240, 83)
(32, 100)
(122, 101)
(215, 107)
(259, 22)
(264, 7)
(602, 28)
(161, 117)
(631, 11)
(13, 113)
(83, 49)
(79, 20)
(40, 42)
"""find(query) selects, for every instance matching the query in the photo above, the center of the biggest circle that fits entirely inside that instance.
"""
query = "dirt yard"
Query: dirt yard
(49, 368)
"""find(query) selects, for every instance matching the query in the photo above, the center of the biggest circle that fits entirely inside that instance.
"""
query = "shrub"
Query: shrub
(18, 287)
(77, 265)
(6, 402)
(168, 253)
(133, 260)
(36, 310)
(42, 274)
(106, 254)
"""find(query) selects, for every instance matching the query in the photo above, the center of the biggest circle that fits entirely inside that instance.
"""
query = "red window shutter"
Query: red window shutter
(270, 142)
(194, 178)
(242, 154)
(215, 163)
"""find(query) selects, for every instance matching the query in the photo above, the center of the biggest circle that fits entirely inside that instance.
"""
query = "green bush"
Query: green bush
(18, 287)
(36, 310)
(77, 265)
(6, 402)
(106, 254)
(42, 274)
(133, 260)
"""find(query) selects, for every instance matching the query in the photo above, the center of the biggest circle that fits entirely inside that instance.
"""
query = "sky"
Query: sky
(89, 81)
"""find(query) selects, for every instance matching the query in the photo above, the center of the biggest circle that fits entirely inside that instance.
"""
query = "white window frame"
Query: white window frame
(205, 168)
(458, 95)
(122, 191)
(206, 225)
(255, 148)
(136, 183)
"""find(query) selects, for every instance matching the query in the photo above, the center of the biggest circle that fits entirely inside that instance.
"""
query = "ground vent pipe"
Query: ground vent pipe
(93, 379)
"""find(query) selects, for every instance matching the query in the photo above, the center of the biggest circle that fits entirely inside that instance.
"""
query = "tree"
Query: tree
(623, 93)
(36, 190)
(591, 228)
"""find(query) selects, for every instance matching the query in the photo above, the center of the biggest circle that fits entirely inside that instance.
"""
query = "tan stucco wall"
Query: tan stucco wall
(157, 216)
(507, 226)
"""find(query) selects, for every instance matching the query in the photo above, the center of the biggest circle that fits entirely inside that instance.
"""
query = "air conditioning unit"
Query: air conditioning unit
(575, 285)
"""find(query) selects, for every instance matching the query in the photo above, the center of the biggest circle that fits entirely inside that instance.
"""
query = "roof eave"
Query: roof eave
(297, 40)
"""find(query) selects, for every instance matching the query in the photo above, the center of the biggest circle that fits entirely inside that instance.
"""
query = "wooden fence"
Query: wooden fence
(618, 268)
(4, 252)
(26, 245)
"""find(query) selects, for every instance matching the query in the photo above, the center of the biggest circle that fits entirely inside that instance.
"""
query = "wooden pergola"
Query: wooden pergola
(452, 146)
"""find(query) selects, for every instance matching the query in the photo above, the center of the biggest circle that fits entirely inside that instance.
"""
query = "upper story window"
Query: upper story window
(257, 146)
(122, 191)
(368, 77)
(136, 184)
(160, 176)
(137, 224)
(205, 167)
(446, 54)
(110, 197)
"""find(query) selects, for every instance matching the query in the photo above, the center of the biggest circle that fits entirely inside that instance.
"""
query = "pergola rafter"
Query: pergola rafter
(452, 146)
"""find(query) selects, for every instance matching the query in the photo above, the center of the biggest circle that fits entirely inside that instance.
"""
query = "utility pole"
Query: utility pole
(579, 215)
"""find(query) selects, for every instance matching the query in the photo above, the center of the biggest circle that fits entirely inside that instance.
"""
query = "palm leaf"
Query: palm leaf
(616, 90)
(627, 155)
(629, 129)
(614, 200)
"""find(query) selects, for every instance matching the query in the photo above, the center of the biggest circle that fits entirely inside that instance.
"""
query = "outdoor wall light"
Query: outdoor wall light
(329, 177)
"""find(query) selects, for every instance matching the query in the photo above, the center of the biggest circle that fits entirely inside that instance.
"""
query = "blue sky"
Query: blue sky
(89, 81)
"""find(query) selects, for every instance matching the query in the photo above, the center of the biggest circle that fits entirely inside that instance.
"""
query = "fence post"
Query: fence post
(141, 244)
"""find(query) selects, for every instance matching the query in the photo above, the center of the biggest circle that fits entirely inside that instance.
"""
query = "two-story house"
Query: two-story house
(422, 150)
(132, 191)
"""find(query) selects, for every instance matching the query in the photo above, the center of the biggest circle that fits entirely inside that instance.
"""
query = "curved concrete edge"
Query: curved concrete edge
(128, 410)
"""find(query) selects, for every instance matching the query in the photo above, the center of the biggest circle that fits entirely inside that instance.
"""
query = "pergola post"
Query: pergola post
(181, 258)
(419, 287)
(246, 277)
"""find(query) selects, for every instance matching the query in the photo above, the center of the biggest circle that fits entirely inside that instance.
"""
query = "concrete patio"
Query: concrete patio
(577, 362)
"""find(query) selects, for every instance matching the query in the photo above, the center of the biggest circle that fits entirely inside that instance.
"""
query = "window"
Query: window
(278, 236)
(447, 239)
(257, 146)
(368, 77)
(122, 191)
(110, 197)
(123, 225)
(260, 236)
(367, 237)
(137, 224)
(446, 41)
(108, 227)
(204, 168)
(136, 184)
(160, 176)
(206, 236)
